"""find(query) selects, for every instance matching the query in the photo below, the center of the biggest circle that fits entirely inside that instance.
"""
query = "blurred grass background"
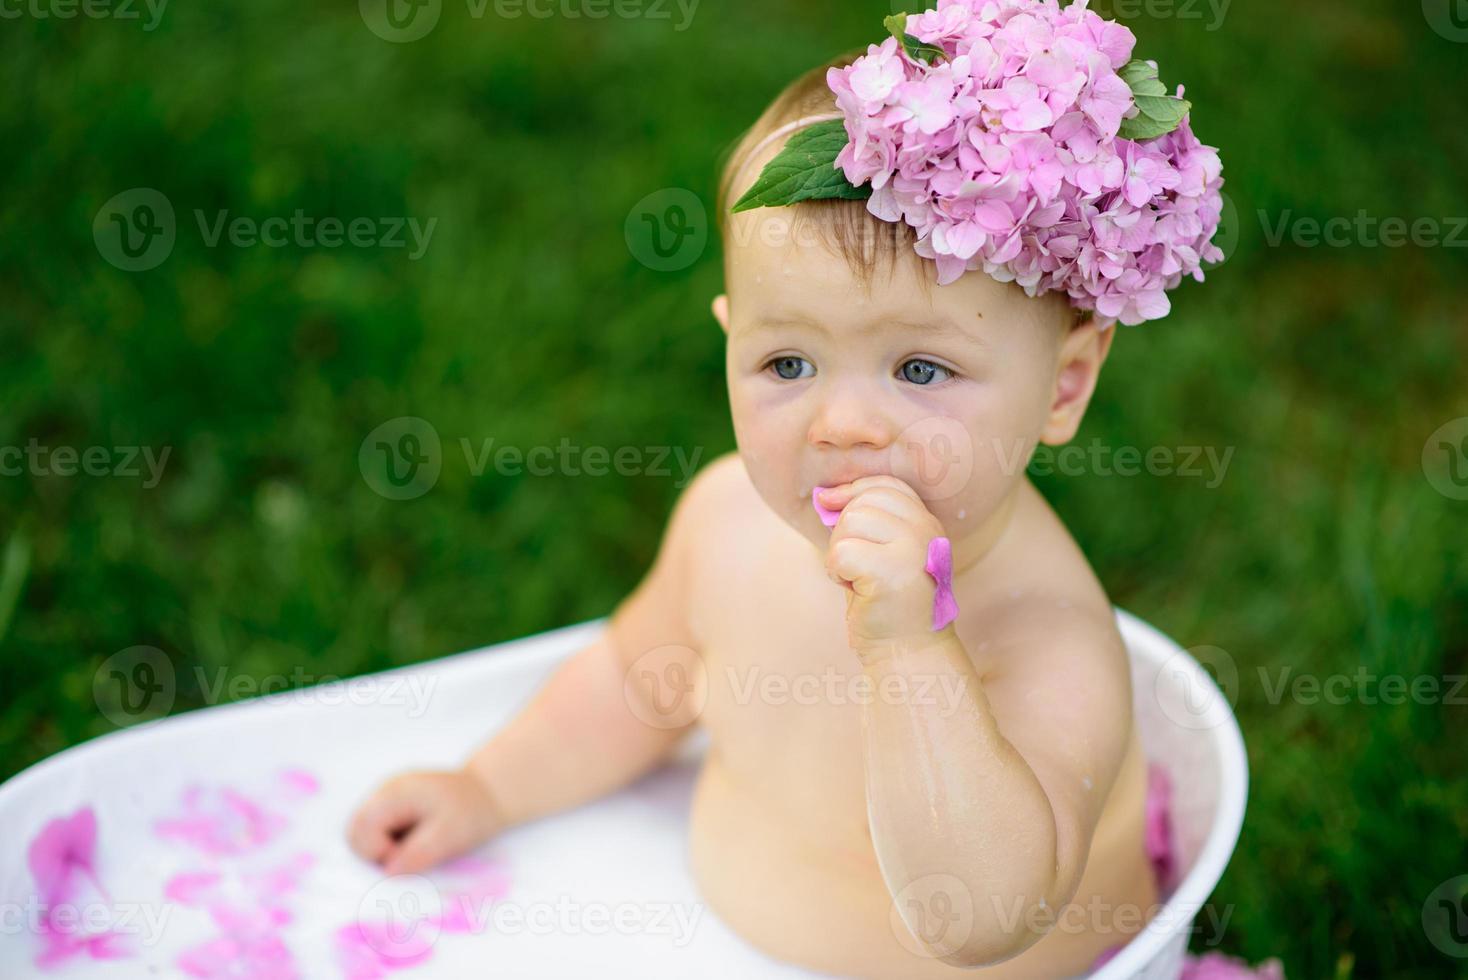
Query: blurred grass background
(263, 549)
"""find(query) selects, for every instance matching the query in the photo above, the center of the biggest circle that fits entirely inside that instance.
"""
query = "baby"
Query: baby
(887, 795)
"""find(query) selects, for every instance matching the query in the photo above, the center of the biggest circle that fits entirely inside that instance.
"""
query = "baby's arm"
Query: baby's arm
(578, 738)
(982, 791)
(987, 800)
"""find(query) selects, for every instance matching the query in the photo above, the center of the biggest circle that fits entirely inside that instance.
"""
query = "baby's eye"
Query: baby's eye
(789, 367)
(921, 372)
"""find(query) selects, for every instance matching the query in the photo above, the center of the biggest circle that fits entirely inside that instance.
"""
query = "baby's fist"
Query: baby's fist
(417, 820)
(878, 550)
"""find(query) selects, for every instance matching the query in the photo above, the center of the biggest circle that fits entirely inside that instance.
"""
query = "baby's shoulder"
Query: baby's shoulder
(1042, 615)
(719, 496)
(719, 515)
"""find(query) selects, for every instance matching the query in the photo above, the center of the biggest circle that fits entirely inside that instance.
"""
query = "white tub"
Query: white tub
(623, 855)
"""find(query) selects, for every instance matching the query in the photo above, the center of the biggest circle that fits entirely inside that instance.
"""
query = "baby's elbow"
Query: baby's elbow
(969, 936)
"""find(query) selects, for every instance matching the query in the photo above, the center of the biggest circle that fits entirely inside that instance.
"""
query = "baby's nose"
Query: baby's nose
(850, 420)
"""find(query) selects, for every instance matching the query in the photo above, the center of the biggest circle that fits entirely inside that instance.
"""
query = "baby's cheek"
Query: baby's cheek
(962, 470)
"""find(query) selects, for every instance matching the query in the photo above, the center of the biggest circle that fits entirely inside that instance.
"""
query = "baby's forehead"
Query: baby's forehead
(902, 325)
(780, 263)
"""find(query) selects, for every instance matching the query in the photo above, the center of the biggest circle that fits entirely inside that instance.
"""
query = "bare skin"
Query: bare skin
(880, 799)
(781, 840)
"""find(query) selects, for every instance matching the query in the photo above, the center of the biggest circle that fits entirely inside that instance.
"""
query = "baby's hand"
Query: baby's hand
(416, 820)
(878, 550)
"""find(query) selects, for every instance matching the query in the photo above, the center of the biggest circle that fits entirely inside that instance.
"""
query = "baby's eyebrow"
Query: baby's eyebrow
(940, 324)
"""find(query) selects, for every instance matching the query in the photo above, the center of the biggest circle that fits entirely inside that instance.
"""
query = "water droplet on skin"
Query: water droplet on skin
(962, 514)
(1086, 782)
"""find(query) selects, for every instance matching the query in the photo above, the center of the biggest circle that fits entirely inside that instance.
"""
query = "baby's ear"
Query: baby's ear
(1082, 352)
(721, 311)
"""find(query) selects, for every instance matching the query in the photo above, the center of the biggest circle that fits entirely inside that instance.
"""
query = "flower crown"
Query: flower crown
(1018, 137)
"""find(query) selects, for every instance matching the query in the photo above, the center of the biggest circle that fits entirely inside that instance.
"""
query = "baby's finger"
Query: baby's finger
(424, 847)
(839, 496)
(868, 523)
(378, 824)
(853, 560)
(907, 509)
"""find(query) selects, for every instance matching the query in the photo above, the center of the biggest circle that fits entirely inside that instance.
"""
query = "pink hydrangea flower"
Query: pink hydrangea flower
(62, 857)
(1159, 840)
(1004, 156)
(221, 822)
(1216, 966)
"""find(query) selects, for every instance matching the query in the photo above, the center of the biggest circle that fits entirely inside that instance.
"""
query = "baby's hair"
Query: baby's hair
(863, 240)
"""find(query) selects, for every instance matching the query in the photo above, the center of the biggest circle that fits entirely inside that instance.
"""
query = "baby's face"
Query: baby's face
(947, 388)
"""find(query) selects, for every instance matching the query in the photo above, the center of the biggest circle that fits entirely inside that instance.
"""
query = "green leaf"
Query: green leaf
(805, 170)
(1157, 112)
(916, 50)
(1141, 77)
(1157, 116)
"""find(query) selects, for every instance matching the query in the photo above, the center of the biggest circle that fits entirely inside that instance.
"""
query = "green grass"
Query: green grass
(1324, 550)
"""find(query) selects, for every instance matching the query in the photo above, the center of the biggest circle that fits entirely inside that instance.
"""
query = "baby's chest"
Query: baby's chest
(782, 691)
